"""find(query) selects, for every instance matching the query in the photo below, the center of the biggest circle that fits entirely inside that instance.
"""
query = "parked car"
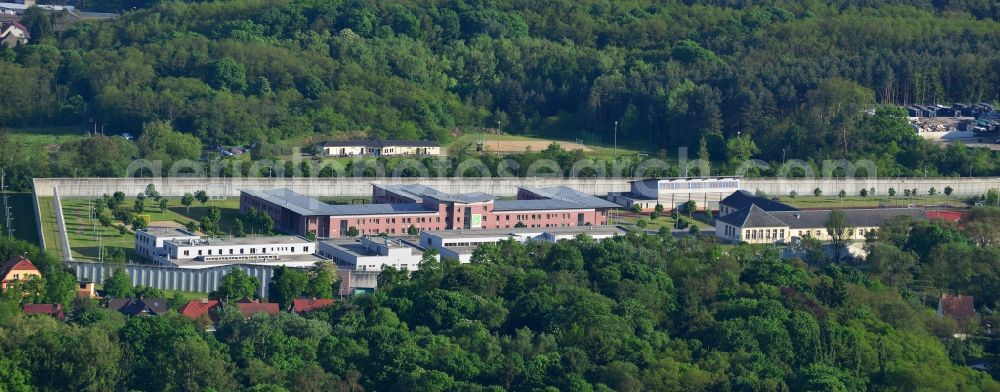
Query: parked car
(127, 136)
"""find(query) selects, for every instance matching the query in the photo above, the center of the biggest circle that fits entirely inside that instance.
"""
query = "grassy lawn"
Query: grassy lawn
(857, 201)
(468, 141)
(46, 207)
(40, 138)
(663, 221)
(84, 233)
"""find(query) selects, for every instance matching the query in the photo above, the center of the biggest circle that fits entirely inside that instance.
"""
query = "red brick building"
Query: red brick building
(395, 208)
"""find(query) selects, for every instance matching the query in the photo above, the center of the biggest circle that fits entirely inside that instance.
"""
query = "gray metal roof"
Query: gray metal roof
(564, 193)
(307, 206)
(742, 199)
(870, 217)
(530, 231)
(534, 205)
(861, 217)
(752, 217)
(418, 192)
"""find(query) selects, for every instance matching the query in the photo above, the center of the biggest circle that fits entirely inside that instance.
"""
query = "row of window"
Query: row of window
(305, 249)
(702, 185)
(764, 234)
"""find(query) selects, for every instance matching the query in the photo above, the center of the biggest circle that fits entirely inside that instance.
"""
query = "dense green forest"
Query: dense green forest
(794, 76)
(639, 312)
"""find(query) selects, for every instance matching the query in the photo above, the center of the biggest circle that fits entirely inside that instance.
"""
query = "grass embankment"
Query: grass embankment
(630, 219)
(46, 138)
(594, 151)
(814, 202)
(86, 235)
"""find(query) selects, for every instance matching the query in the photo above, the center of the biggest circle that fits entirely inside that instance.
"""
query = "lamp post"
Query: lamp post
(498, 138)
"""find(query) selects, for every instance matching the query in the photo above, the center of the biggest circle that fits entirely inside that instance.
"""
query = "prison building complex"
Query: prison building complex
(395, 208)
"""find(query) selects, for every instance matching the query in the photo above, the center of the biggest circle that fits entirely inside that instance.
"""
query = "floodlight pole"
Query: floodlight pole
(616, 141)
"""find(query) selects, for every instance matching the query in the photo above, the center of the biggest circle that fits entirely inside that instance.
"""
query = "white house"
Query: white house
(372, 254)
(290, 251)
(149, 241)
(459, 244)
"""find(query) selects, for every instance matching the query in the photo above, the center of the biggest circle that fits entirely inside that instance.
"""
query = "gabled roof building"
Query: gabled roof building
(139, 306)
(757, 226)
(53, 310)
(17, 269)
(305, 305)
(742, 199)
(959, 307)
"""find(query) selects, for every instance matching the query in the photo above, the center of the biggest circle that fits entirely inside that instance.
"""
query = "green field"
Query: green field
(857, 201)
(44, 138)
(86, 236)
(468, 142)
(663, 221)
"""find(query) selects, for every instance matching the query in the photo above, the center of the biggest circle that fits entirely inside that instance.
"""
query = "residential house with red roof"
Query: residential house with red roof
(305, 305)
(18, 268)
(959, 307)
(53, 310)
(250, 308)
(13, 34)
(199, 308)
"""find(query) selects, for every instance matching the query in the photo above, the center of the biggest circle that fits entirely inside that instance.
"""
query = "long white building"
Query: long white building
(290, 251)
(149, 241)
(460, 244)
(372, 253)
(672, 192)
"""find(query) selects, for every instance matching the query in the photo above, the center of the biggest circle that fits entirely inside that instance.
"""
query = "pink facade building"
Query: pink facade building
(395, 208)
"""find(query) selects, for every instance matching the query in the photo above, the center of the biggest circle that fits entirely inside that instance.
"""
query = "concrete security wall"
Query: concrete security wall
(357, 187)
(203, 280)
(505, 187)
(61, 226)
(965, 186)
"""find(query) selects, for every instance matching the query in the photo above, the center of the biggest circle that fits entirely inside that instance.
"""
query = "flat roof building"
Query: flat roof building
(459, 244)
(396, 208)
(289, 251)
(149, 241)
(672, 192)
(372, 253)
